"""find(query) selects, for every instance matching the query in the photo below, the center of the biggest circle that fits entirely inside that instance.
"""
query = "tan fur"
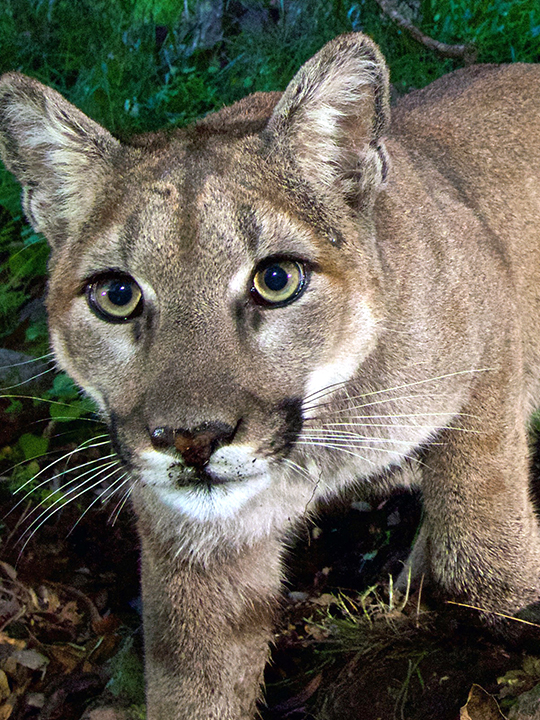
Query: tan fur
(415, 344)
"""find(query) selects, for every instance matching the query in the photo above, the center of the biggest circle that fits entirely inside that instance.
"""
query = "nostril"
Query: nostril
(162, 437)
(195, 446)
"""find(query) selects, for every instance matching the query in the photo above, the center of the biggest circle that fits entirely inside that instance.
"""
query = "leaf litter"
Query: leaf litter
(347, 647)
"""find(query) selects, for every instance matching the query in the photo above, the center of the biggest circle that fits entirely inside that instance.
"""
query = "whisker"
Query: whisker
(421, 382)
(35, 525)
(299, 469)
(325, 391)
(110, 490)
(384, 401)
(35, 397)
(427, 380)
(70, 482)
(331, 388)
(416, 396)
(65, 418)
(113, 517)
(81, 446)
(339, 444)
(341, 449)
(27, 362)
(28, 380)
(400, 415)
(303, 472)
(342, 445)
(436, 428)
(356, 437)
(43, 455)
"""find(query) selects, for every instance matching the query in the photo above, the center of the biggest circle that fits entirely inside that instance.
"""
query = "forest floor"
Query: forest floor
(346, 648)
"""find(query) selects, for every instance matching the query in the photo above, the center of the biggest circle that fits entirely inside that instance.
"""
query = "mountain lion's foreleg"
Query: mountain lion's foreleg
(207, 631)
(480, 542)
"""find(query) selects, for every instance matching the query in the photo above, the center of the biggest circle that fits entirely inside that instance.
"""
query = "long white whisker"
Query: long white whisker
(325, 391)
(416, 383)
(43, 455)
(69, 486)
(353, 436)
(27, 362)
(424, 382)
(385, 400)
(113, 517)
(437, 428)
(341, 449)
(110, 489)
(35, 525)
(341, 444)
(30, 379)
(72, 470)
(299, 469)
(398, 415)
(81, 446)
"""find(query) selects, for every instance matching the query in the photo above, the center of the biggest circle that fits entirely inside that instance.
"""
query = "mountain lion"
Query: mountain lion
(290, 297)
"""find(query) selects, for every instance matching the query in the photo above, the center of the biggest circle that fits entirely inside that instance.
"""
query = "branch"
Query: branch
(467, 53)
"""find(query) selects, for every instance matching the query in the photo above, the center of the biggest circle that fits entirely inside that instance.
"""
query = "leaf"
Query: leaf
(527, 706)
(33, 445)
(5, 711)
(480, 706)
(68, 656)
(9, 570)
(31, 659)
(63, 388)
(5, 690)
(70, 614)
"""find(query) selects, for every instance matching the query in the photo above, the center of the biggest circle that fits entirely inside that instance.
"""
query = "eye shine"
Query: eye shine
(115, 298)
(278, 282)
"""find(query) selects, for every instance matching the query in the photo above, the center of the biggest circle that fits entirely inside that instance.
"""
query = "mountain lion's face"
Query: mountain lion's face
(213, 293)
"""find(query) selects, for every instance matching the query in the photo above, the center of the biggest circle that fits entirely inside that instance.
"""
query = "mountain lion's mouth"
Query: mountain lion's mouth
(201, 479)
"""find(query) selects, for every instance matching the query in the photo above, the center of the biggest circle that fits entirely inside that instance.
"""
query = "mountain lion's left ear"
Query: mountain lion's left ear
(62, 158)
(332, 118)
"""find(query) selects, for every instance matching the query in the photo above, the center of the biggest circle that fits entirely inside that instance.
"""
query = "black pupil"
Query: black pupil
(120, 292)
(275, 278)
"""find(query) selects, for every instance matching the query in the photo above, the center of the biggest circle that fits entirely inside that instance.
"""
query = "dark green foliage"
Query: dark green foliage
(136, 65)
(502, 30)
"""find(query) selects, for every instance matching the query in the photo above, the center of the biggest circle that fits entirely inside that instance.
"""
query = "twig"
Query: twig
(465, 52)
(95, 616)
(494, 612)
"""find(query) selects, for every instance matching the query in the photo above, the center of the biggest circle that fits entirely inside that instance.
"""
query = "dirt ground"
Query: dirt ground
(70, 636)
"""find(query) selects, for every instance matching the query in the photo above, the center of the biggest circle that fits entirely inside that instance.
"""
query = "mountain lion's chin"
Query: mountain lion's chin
(231, 478)
(204, 503)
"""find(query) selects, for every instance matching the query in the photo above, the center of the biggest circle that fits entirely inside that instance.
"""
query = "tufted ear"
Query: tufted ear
(61, 157)
(332, 117)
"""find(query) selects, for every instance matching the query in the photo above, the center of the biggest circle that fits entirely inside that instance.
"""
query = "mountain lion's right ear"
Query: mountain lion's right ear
(61, 157)
(332, 117)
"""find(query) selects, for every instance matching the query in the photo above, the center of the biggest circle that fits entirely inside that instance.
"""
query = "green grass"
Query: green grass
(103, 55)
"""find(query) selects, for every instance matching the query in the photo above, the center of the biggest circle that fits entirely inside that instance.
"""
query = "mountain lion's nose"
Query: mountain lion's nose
(195, 446)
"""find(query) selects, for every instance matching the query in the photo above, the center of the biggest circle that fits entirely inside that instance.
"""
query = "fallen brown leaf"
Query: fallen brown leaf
(5, 690)
(480, 705)
(31, 659)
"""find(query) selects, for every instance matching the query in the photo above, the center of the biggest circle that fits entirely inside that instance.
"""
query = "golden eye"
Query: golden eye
(278, 282)
(115, 298)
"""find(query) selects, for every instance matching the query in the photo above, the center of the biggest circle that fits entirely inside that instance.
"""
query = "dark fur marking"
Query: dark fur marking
(248, 227)
(239, 314)
(291, 411)
(123, 453)
(256, 319)
(130, 232)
